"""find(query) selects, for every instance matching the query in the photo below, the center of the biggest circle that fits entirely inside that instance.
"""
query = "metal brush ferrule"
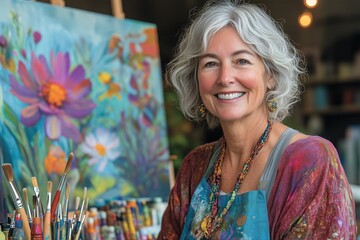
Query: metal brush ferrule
(41, 208)
(37, 192)
(59, 212)
(48, 204)
(38, 198)
(66, 209)
(15, 195)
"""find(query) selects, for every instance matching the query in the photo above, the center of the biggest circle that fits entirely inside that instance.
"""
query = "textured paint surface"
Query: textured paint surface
(75, 81)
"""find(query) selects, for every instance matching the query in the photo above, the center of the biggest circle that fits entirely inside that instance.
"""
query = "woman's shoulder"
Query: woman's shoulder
(310, 143)
(201, 152)
(311, 150)
(206, 147)
(196, 162)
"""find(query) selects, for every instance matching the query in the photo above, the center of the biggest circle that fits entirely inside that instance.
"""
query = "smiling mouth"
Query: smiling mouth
(230, 96)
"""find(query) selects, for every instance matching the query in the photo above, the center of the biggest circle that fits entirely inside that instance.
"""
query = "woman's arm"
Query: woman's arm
(311, 197)
(171, 221)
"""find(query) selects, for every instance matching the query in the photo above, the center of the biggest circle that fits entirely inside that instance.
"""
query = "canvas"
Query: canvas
(91, 84)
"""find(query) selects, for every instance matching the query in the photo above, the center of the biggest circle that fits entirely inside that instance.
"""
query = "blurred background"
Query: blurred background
(326, 31)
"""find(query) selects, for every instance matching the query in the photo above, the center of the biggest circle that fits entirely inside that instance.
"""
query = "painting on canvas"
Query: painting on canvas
(81, 82)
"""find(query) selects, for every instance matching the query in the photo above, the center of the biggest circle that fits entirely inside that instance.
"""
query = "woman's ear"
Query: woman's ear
(270, 83)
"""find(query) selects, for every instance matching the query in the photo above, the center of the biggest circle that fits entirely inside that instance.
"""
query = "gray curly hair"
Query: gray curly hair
(263, 35)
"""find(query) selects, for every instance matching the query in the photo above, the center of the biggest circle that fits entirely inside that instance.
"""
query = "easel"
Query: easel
(117, 9)
(172, 158)
(59, 3)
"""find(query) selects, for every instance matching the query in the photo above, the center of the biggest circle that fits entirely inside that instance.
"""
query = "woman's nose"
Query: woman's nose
(226, 75)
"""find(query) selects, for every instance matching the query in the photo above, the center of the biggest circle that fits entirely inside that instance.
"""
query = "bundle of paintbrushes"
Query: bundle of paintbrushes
(56, 222)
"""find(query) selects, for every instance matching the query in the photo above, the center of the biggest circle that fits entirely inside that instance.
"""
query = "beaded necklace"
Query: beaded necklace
(212, 220)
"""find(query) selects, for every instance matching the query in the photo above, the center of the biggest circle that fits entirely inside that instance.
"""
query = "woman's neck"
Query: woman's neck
(241, 137)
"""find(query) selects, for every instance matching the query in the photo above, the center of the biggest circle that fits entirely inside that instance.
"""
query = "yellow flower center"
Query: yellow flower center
(105, 77)
(54, 94)
(100, 149)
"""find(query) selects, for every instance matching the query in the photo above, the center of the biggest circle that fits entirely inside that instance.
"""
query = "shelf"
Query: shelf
(334, 110)
(332, 96)
(330, 81)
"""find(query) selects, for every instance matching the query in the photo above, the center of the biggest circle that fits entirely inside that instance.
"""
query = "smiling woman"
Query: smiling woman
(235, 68)
(232, 78)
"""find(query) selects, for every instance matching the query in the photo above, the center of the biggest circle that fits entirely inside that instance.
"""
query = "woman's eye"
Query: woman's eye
(210, 64)
(242, 61)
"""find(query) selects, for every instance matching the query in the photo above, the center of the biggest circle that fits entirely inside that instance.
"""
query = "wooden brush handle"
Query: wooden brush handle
(54, 204)
(25, 220)
(47, 226)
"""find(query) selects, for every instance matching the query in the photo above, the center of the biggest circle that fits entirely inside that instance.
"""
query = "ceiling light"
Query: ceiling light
(310, 3)
(305, 19)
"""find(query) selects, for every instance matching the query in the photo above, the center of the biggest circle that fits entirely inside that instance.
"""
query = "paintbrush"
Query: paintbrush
(77, 235)
(81, 209)
(35, 203)
(62, 229)
(83, 212)
(57, 224)
(59, 189)
(7, 168)
(25, 193)
(75, 217)
(83, 202)
(69, 231)
(61, 222)
(76, 210)
(66, 206)
(47, 218)
(38, 198)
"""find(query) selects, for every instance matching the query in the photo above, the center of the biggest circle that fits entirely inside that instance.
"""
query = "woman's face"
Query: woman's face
(232, 78)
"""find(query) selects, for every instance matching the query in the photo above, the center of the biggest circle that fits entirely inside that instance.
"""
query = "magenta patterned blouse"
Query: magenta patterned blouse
(310, 198)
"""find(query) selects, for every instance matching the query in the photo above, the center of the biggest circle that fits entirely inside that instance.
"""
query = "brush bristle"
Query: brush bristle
(49, 186)
(25, 195)
(7, 169)
(68, 164)
(34, 181)
(77, 202)
(84, 194)
(67, 191)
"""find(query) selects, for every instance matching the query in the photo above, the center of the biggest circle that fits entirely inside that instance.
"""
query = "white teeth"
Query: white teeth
(230, 96)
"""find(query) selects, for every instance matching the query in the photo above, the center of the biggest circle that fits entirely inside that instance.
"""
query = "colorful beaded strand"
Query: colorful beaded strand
(207, 224)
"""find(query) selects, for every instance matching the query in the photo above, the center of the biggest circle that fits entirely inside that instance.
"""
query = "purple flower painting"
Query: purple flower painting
(55, 93)
(75, 81)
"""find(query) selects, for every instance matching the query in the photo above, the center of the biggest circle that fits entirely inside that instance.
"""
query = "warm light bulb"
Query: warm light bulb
(310, 3)
(305, 19)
